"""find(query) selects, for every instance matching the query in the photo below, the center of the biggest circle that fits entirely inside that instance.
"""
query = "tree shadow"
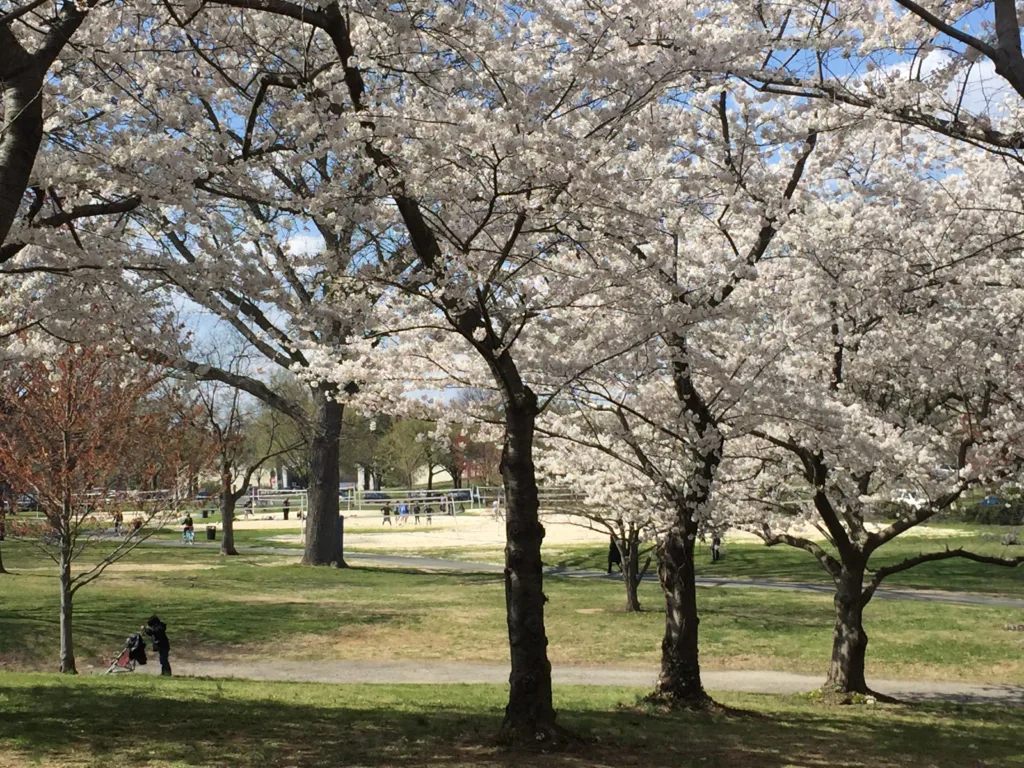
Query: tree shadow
(123, 722)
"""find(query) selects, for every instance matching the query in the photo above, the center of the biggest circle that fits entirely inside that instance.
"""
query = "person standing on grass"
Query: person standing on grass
(614, 555)
(716, 548)
(158, 631)
(386, 512)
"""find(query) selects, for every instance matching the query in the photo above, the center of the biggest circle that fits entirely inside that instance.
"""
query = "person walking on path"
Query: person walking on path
(386, 512)
(189, 532)
(157, 630)
(118, 522)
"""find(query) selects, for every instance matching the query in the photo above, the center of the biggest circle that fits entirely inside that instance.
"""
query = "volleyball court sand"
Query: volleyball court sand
(480, 530)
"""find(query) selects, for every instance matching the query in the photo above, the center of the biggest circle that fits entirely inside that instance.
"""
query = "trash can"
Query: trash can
(205, 513)
(286, 513)
(211, 533)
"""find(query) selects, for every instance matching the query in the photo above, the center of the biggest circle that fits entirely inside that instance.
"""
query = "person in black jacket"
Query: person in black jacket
(614, 555)
(158, 631)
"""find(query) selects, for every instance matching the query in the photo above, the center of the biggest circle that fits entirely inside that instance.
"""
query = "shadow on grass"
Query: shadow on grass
(122, 722)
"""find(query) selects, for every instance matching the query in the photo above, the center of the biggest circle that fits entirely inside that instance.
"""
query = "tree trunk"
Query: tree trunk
(849, 640)
(378, 480)
(22, 127)
(456, 473)
(3, 533)
(322, 517)
(631, 571)
(227, 511)
(430, 477)
(679, 682)
(67, 645)
(530, 715)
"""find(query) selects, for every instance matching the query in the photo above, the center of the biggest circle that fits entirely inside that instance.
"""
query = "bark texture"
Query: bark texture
(228, 499)
(67, 640)
(849, 640)
(21, 78)
(679, 682)
(630, 551)
(322, 517)
(530, 715)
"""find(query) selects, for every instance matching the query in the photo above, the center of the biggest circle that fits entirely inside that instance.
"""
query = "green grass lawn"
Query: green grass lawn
(261, 606)
(750, 560)
(123, 721)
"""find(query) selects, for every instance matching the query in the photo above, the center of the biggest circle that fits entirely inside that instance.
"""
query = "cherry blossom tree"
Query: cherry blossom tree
(464, 188)
(954, 69)
(893, 316)
(46, 197)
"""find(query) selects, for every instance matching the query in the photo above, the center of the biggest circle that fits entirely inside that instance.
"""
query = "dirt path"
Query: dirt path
(403, 672)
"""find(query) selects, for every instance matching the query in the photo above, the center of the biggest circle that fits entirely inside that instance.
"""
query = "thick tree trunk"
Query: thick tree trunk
(67, 644)
(430, 477)
(530, 715)
(322, 518)
(22, 128)
(631, 572)
(2, 569)
(456, 478)
(679, 682)
(849, 640)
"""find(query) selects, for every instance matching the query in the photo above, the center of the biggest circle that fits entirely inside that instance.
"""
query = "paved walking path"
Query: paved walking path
(402, 672)
(437, 564)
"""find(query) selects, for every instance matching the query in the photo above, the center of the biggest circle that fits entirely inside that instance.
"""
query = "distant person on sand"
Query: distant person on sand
(386, 512)
(403, 513)
(416, 513)
(430, 514)
(158, 631)
(284, 509)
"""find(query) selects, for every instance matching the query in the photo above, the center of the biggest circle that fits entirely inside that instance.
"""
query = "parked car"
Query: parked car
(459, 494)
(26, 502)
(375, 496)
(990, 501)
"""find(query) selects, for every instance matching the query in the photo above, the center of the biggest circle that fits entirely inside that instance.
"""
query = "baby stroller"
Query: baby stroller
(134, 653)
